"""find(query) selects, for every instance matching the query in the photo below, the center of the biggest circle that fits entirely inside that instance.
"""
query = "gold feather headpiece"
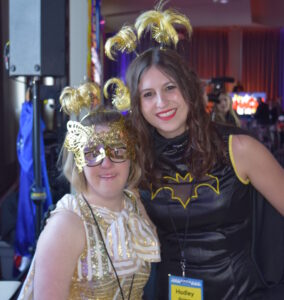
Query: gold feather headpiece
(159, 23)
(121, 97)
(161, 26)
(87, 95)
(124, 40)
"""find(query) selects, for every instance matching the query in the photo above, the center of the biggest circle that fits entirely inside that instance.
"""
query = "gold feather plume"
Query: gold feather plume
(161, 25)
(121, 97)
(124, 40)
(72, 100)
(91, 91)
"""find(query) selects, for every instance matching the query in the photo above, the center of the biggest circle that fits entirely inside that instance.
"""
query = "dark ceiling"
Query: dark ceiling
(202, 13)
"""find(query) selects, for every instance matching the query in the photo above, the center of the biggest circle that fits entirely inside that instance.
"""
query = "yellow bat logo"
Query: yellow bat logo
(176, 194)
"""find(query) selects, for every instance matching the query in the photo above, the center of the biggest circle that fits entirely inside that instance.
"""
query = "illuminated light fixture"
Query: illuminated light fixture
(221, 1)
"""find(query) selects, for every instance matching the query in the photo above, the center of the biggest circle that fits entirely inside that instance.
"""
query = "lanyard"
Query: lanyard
(117, 278)
(181, 243)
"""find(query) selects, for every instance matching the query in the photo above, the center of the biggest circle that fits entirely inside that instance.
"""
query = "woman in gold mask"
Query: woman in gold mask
(95, 245)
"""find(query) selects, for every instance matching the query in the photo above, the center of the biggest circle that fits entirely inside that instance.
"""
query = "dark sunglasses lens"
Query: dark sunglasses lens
(117, 154)
(94, 157)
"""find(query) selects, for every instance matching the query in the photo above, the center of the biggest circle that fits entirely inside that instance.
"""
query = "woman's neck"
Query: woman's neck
(114, 203)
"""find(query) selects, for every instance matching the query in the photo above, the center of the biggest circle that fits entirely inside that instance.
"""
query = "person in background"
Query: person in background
(223, 111)
(96, 244)
(273, 118)
(198, 176)
(262, 113)
(262, 121)
(238, 87)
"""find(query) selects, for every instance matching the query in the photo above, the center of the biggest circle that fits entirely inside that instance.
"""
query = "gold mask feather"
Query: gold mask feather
(78, 136)
(121, 98)
(124, 40)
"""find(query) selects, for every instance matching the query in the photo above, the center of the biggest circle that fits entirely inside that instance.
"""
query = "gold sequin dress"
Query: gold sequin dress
(130, 241)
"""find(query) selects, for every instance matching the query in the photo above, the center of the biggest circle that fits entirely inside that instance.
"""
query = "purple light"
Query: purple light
(281, 69)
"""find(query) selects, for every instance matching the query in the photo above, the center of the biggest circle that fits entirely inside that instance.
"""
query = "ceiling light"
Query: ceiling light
(221, 1)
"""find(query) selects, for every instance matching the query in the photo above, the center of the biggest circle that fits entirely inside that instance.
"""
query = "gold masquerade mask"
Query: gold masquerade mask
(90, 147)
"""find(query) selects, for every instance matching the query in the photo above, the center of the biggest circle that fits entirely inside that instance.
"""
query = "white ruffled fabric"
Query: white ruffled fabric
(129, 239)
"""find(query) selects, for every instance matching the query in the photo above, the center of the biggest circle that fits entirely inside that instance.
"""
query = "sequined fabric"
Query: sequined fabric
(131, 244)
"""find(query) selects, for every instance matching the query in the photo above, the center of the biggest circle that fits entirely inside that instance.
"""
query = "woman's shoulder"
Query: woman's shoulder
(66, 210)
(236, 140)
(64, 224)
(69, 202)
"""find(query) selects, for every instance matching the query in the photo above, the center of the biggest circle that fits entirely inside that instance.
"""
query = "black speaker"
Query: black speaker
(37, 37)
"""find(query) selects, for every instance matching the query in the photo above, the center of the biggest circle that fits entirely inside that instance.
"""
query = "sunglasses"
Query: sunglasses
(95, 156)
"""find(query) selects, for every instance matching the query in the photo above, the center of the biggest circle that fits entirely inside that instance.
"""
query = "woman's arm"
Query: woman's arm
(254, 162)
(57, 252)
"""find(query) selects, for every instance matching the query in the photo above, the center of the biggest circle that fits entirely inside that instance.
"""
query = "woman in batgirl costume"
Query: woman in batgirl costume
(198, 175)
(96, 244)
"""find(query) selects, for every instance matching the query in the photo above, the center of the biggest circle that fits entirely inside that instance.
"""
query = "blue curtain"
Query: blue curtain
(26, 219)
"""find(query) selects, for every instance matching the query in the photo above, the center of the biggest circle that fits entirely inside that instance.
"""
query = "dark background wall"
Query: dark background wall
(8, 113)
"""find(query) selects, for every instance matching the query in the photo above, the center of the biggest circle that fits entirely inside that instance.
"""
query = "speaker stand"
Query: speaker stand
(38, 194)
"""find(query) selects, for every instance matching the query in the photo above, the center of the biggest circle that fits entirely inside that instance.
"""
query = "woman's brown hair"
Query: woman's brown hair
(205, 146)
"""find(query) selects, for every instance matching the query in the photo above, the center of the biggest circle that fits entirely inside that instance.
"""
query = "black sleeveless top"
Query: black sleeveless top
(209, 220)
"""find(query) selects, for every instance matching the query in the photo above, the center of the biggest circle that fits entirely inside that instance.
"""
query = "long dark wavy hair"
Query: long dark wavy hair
(205, 147)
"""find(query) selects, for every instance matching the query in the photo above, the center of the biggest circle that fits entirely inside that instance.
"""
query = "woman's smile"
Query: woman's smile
(167, 115)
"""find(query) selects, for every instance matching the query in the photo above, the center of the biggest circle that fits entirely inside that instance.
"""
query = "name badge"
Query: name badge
(183, 288)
